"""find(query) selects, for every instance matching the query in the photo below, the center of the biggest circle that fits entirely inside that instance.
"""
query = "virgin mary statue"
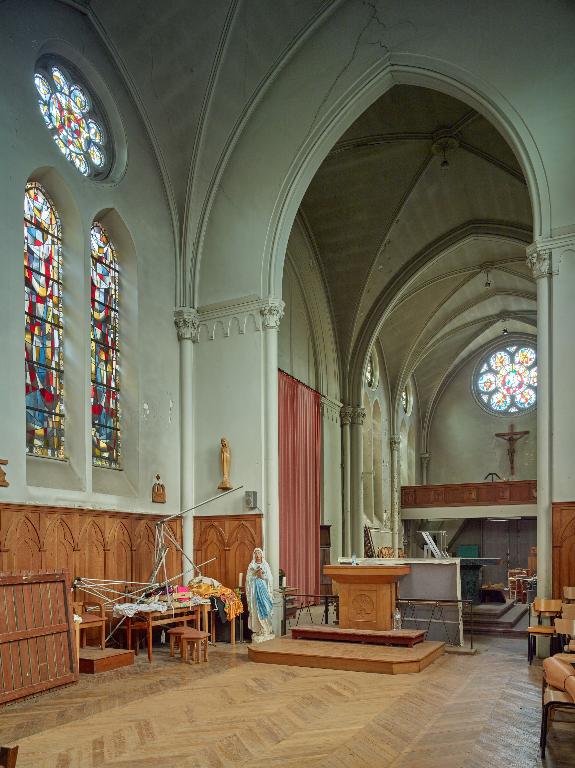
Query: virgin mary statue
(259, 594)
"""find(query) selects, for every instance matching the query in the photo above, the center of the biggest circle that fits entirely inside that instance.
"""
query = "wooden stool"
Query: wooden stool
(198, 639)
(174, 634)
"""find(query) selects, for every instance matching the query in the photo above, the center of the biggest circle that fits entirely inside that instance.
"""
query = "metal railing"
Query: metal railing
(430, 614)
(309, 609)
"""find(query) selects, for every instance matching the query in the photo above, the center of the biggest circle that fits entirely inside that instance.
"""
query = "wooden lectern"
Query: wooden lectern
(367, 594)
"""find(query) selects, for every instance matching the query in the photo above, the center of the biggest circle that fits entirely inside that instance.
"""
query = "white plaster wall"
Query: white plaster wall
(228, 402)
(134, 205)
(296, 348)
(462, 443)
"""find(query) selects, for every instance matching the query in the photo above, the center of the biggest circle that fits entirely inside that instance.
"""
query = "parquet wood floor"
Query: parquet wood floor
(474, 711)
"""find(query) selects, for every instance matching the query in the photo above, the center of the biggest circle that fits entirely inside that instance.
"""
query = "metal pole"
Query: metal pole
(284, 613)
(326, 611)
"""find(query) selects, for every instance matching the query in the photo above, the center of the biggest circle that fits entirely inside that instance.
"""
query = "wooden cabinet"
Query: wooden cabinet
(563, 546)
(231, 539)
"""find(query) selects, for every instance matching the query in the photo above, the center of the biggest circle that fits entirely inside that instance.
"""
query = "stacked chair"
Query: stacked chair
(543, 609)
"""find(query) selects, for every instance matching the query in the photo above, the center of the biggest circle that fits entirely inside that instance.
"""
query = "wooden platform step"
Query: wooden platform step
(354, 657)
(95, 660)
(403, 637)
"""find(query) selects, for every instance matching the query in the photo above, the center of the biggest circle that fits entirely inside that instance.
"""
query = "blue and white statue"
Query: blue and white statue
(259, 594)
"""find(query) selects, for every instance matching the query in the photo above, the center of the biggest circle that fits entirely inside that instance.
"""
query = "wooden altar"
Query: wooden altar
(367, 594)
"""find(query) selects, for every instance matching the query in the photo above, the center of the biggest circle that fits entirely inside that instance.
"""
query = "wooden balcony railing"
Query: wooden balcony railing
(469, 494)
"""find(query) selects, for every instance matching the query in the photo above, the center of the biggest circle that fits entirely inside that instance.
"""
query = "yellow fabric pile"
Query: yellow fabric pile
(212, 588)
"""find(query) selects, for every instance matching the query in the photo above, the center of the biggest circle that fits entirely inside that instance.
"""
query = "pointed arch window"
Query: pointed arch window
(43, 332)
(104, 343)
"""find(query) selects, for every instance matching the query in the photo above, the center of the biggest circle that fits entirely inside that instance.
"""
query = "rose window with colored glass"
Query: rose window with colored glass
(505, 381)
(69, 114)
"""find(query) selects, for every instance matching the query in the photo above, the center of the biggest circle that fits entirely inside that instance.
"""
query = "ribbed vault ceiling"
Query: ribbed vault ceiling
(382, 212)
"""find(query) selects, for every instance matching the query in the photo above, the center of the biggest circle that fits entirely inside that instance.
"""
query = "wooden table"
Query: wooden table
(367, 594)
(148, 620)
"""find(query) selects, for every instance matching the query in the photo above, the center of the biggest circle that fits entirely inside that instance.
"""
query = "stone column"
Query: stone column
(424, 458)
(357, 418)
(272, 313)
(186, 322)
(395, 444)
(345, 417)
(331, 473)
(539, 259)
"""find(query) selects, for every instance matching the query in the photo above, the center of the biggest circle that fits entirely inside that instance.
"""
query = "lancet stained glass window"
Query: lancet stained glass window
(105, 383)
(68, 112)
(505, 381)
(43, 334)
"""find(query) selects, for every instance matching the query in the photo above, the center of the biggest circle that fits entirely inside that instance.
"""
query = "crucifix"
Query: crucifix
(511, 437)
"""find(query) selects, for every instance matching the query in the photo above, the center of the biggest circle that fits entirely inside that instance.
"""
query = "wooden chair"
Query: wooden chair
(558, 692)
(198, 640)
(91, 619)
(174, 635)
(569, 594)
(543, 608)
(568, 611)
(565, 628)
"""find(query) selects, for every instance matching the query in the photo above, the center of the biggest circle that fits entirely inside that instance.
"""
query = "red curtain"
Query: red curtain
(299, 480)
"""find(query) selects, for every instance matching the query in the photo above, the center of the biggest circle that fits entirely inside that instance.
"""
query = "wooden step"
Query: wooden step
(354, 657)
(95, 660)
(402, 637)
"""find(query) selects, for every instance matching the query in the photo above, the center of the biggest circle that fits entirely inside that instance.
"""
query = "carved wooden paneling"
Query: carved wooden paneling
(563, 546)
(91, 543)
(469, 494)
(231, 540)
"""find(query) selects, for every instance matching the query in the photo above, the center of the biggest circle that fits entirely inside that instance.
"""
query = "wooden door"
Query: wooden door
(231, 540)
(563, 546)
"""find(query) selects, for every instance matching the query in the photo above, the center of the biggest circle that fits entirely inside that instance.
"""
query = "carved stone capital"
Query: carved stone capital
(539, 261)
(425, 458)
(272, 313)
(345, 414)
(187, 324)
(358, 415)
(330, 409)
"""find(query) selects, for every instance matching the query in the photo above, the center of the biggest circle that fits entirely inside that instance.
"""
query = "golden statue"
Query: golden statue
(225, 461)
(158, 492)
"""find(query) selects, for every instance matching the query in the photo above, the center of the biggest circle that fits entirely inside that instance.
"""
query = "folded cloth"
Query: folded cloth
(130, 609)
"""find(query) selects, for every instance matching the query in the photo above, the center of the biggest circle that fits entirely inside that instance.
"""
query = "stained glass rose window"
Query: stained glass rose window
(69, 114)
(505, 381)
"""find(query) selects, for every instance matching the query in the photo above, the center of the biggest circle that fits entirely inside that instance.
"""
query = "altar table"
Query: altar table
(367, 594)
(180, 615)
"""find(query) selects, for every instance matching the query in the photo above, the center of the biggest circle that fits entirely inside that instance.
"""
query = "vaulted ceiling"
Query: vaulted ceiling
(405, 234)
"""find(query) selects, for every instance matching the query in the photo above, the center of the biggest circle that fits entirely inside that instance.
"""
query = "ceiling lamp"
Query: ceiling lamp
(487, 280)
(443, 143)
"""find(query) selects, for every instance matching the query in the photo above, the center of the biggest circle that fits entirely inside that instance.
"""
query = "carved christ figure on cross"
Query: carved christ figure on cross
(511, 437)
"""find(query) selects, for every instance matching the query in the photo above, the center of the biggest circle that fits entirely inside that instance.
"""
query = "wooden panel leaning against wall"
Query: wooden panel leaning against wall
(231, 540)
(84, 542)
(563, 546)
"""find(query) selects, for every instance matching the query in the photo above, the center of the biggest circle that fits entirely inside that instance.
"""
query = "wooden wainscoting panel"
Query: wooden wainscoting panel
(91, 543)
(469, 494)
(563, 546)
(231, 539)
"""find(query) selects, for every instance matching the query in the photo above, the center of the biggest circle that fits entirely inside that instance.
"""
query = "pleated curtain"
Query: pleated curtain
(299, 483)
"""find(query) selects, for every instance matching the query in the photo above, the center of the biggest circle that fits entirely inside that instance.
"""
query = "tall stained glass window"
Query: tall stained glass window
(105, 383)
(43, 335)
(505, 381)
(68, 112)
